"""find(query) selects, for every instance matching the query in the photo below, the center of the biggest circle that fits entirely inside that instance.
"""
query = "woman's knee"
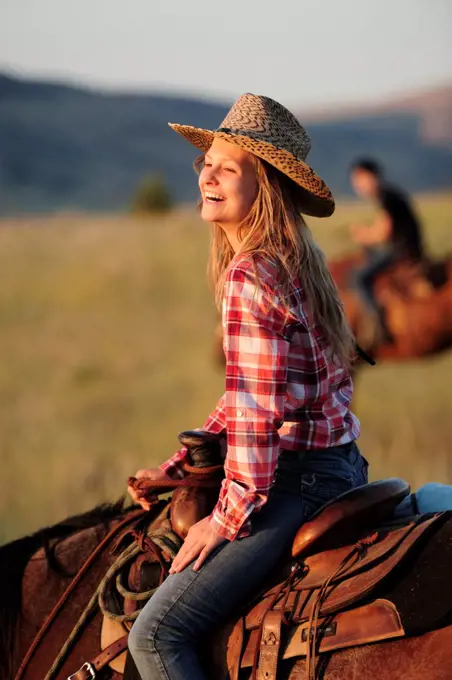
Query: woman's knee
(145, 628)
(139, 638)
(154, 628)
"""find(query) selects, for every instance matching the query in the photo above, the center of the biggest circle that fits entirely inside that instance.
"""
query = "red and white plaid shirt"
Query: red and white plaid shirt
(283, 391)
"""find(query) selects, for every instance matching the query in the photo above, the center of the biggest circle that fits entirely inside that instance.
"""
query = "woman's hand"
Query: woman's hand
(153, 474)
(201, 540)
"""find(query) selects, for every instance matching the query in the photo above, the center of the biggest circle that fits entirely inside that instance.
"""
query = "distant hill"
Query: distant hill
(433, 109)
(65, 147)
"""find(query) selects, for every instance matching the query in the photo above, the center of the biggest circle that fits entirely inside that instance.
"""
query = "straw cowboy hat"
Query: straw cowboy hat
(268, 130)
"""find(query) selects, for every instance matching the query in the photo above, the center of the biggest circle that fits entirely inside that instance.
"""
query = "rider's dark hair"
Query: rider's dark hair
(369, 165)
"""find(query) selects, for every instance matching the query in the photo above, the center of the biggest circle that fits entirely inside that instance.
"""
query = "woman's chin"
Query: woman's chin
(210, 213)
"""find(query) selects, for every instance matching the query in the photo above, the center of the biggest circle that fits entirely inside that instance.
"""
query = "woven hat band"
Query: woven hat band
(264, 120)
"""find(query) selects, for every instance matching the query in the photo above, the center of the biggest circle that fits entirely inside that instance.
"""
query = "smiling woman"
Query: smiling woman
(228, 185)
(285, 411)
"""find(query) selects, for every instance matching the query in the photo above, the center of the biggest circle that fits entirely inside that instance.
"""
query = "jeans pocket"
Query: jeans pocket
(317, 489)
(359, 466)
(361, 471)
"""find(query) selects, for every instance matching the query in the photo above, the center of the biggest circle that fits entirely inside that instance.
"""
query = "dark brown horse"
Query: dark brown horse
(36, 570)
(418, 305)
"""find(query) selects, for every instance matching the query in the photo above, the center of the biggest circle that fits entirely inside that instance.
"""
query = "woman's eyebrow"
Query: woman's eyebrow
(227, 159)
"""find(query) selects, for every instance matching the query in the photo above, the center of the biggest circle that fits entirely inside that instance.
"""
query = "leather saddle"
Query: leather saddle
(327, 605)
(343, 519)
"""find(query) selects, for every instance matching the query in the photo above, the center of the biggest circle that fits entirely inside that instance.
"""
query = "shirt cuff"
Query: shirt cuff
(173, 467)
(228, 527)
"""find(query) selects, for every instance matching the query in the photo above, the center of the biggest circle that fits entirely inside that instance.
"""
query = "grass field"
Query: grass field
(106, 332)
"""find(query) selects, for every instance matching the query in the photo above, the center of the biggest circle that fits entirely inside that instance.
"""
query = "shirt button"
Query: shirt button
(240, 414)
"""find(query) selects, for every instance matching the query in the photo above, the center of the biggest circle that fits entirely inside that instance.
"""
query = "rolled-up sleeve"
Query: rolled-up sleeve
(174, 466)
(256, 376)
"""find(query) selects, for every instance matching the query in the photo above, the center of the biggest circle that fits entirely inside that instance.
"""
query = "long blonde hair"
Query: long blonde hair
(275, 228)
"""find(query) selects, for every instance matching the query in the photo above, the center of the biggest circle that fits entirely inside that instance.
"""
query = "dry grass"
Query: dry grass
(106, 328)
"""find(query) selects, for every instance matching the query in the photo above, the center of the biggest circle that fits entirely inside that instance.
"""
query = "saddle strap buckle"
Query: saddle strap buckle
(85, 672)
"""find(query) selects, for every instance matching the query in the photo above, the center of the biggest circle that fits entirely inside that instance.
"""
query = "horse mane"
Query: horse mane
(14, 558)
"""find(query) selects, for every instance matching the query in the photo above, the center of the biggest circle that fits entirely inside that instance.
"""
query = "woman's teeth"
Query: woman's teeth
(213, 197)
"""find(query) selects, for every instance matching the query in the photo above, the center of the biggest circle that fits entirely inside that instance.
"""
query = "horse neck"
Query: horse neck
(34, 573)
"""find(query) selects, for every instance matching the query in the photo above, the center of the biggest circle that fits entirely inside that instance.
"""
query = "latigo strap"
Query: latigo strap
(90, 669)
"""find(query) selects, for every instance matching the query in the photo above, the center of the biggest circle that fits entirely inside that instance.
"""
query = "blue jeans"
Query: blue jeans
(188, 605)
(431, 497)
(364, 278)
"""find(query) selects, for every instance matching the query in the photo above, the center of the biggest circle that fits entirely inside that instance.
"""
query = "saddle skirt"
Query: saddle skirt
(343, 613)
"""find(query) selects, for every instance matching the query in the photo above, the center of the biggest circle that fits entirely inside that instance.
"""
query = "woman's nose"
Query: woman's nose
(209, 176)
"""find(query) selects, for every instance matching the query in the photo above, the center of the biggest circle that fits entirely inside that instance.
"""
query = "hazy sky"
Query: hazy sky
(302, 52)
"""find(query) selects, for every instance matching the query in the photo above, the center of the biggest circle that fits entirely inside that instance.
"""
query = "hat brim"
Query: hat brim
(316, 199)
